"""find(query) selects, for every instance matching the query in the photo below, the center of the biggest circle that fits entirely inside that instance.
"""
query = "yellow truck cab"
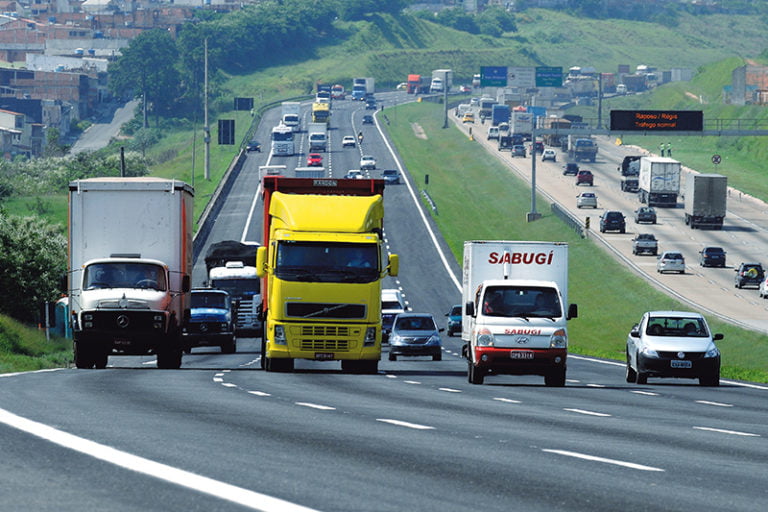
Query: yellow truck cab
(322, 267)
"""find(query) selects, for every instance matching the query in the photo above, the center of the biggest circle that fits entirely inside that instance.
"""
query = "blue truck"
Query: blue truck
(499, 114)
(210, 322)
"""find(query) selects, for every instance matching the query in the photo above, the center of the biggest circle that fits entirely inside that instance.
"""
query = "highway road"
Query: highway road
(220, 434)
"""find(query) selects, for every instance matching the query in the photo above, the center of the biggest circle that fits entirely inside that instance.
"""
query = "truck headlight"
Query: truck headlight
(280, 338)
(370, 337)
(484, 338)
(559, 339)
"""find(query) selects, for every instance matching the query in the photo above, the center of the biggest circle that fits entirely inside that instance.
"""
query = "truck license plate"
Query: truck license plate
(681, 364)
(323, 356)
(521, 354)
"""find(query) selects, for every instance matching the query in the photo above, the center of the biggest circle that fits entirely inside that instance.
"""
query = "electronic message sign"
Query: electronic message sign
(657, 120)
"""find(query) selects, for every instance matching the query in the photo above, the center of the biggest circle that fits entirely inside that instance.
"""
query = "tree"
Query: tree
(147, 70)
(32, 264)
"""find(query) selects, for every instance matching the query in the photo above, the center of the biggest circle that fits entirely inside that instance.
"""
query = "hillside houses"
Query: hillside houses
(55, 56)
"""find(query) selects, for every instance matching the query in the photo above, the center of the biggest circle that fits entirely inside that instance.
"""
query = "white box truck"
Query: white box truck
(706, 196)
(318, 136)
(515, 308)
(292, 115)
(362, 87)
(659, 181)
(130, 261)
(442, 80)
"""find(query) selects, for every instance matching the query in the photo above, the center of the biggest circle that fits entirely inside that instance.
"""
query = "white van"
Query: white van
(493, 132)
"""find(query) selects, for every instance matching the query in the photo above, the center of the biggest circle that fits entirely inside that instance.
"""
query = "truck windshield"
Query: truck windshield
(209, 300)
(523, 301)
(327, 262)
(281, 135)
(124, 275)
(238, 287)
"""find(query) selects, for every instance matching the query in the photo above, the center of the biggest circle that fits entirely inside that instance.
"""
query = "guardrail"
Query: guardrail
(569, 219)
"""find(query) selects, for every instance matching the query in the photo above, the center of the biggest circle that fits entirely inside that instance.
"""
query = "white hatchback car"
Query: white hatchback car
(673, 344)
(586, 200)
(549, 154)
(670, 261)
(348, 141)
(354, 174)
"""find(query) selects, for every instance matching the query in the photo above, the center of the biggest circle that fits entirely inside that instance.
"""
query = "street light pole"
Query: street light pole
(206, 128)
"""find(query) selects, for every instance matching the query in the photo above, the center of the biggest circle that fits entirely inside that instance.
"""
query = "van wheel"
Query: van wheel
(555, 378)
(475, 375)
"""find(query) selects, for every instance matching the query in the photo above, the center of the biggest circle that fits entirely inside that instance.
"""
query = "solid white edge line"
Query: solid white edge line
(615, 462)
(247, 498)
(405, 424)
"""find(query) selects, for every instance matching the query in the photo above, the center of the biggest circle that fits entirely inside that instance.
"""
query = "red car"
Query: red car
(315, 160)
(584, 177)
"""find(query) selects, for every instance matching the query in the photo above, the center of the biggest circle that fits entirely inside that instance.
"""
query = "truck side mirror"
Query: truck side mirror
(469, 307)
(573, 311)
(394, 264)
(186, 283)
(261, 261)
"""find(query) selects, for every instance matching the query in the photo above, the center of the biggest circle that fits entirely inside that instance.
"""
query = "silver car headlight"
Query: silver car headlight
(649, 353)
(433, 340)
(712, 352)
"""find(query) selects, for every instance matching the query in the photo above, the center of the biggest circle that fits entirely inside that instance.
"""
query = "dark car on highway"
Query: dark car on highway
(391, 176)
(645, 214)
(613, 221)
(712, 257)
(749, 274)
(570, 169)
(253, 145)
(367, 119)
(518, 150)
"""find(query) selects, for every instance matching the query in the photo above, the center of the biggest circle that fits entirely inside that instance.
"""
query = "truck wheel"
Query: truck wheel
(392, 357)
(279, 365)
(230, 347)
(437, 357)
(83, 355)
(475, 375)
(555, 378)
(100, 360)
(169, 358)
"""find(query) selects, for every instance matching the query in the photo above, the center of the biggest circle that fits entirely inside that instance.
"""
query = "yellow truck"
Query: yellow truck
(322, 266)
(321, 112)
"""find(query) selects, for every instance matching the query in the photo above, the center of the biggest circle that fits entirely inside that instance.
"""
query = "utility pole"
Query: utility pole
(206, 128)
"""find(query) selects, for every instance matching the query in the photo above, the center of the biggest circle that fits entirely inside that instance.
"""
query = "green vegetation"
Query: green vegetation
(25, 349)
(479, 198)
